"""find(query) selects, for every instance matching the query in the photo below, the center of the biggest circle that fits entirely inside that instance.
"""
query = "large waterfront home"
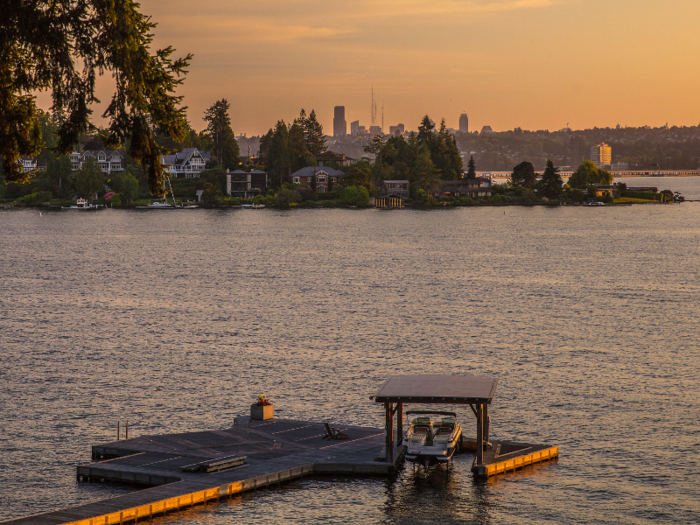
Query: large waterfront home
(246, 184)
(109, 160)
(478, 187)
(28, 164)
(186, 164)
(326, 178)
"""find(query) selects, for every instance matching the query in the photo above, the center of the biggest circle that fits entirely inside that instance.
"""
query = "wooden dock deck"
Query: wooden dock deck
(275, 450)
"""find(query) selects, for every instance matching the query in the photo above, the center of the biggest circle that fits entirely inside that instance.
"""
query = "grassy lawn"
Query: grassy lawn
(629, 199)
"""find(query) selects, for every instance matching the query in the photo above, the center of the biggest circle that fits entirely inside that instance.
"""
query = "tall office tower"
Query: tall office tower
(355, 127)
(575, 151)
(601, 155)
(340, 127)
(464, 123)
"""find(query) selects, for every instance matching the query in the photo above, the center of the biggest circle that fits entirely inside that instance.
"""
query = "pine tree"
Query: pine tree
(425, 132)
(551, 180)
(62, 47)
(220, 132)
(278, 161)
(315, 139)
(471, 168)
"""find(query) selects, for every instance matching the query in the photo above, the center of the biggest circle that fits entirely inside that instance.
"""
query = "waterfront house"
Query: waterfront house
(186, 164)
(326, 178)
(475, 188)
(246, 184)
(28, 164)
(109, 160)
(331, 158)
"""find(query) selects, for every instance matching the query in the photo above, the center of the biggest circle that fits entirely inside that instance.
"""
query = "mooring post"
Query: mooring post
(480, 434)
(118, 431)
(389, 433)
(127, 429)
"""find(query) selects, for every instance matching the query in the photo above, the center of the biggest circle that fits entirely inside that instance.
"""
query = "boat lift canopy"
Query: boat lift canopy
(476, 391)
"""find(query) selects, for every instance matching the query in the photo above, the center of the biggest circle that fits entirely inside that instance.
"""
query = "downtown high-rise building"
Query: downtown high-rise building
(340, 127)
(601, 155)
(464, 123)
(576, 155)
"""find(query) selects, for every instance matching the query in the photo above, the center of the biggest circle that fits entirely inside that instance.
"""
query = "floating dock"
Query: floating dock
(182, 470)
(272, 451)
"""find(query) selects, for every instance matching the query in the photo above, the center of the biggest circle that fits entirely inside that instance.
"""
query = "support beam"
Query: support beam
(479, 434)
(486, 423)
(389, 433)
(399, 423)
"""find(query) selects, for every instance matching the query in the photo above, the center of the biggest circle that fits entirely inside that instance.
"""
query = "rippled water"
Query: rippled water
(177, 320)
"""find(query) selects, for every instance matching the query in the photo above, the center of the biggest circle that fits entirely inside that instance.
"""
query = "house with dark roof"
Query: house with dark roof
(109, 160)
(326, 178)
(186, 164)
(478, 187)
(246, 184)
(329, 158)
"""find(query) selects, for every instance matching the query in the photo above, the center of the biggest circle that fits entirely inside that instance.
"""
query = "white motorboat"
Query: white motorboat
(157, 205)
(252, 206)
(593, 203)
(82, 204)
(432, 437)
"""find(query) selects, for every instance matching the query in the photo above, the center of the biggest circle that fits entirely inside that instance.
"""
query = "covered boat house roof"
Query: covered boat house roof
(437, 388)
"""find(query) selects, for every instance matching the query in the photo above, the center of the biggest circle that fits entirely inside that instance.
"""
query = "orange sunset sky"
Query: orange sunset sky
(531, 63)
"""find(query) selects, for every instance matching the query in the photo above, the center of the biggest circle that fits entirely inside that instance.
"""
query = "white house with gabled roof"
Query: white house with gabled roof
(109, 160)
(186, 164)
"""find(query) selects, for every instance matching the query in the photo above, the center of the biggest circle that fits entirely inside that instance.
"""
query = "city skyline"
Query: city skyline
(535, 64)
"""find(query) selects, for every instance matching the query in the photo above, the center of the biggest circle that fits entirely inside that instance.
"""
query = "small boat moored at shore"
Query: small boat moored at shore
(82, 204)
(157, 205)
(432, 437)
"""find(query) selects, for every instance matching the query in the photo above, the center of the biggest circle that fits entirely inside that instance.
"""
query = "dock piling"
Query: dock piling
(127, 429)
(118, 431)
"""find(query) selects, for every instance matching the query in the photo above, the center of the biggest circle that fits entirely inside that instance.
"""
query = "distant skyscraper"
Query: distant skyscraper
(464, 123)
(396, 130)
(355, 127)
(575, 151)
(601, 155)
(340, 127)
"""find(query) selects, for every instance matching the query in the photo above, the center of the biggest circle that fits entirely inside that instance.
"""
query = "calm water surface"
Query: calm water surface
(177, 320)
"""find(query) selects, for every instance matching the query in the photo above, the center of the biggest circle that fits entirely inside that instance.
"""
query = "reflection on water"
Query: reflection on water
(178, 321)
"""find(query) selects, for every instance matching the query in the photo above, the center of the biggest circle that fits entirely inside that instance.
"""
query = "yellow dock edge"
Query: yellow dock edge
(162, 507)
(514, 464)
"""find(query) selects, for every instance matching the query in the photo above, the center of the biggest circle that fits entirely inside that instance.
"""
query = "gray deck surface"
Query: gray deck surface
(276, 450)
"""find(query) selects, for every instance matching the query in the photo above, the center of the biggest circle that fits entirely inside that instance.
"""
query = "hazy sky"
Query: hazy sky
(530, 63)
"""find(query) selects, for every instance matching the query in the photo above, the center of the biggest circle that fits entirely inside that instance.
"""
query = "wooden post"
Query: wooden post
(480, 434)
(485, 433)
(389, 433)
(118, 431)
(399, 423)
(127, 429)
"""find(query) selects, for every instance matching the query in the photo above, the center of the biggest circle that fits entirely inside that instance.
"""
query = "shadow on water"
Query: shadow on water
(440, 494)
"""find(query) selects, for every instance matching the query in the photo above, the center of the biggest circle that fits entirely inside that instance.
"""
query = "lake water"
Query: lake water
(177, 320)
